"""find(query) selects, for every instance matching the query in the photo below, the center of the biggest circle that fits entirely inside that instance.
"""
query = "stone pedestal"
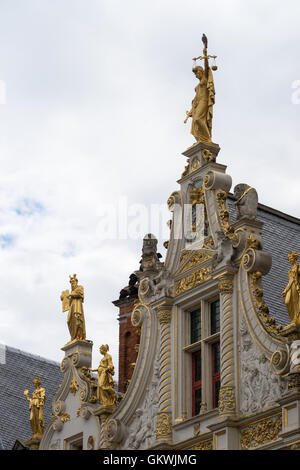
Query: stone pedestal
(198, 148)
(290, 405)
(103, 413)
(225, 435)
(33, 443)
(80, 351)
(199, 155)
(248, 234)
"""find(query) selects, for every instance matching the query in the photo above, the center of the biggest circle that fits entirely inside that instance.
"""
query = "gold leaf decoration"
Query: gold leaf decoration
(192, 280)
(261, 433)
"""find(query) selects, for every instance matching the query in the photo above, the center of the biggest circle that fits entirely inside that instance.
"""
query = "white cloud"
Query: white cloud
(96, 102)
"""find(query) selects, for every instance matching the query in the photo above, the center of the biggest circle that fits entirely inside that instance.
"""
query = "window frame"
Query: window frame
(206, 347)
(196, 385)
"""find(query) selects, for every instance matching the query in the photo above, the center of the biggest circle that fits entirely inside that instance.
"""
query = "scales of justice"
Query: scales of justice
(202, 105)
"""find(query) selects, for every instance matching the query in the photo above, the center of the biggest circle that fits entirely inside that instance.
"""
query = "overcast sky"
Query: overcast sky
(96, 93)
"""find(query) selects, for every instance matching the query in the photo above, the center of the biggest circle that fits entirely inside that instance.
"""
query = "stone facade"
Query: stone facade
(229, 379)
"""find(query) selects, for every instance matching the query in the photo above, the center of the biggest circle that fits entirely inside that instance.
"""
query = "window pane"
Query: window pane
(216, 393)
(215, 317)
(195, 325)
(197, 401)
(216, 358)
(197, 367)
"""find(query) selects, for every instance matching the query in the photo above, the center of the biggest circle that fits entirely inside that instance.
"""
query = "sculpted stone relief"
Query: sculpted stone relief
(259, 386)
(246, 201)
(142, 429)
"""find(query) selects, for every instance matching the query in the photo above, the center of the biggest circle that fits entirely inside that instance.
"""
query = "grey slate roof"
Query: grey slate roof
(281, 234)
(16, 374)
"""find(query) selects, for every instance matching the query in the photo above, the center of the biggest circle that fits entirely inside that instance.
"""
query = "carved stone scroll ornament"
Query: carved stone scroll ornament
(257, 261)
(138, 316)
(114, 430)
(89, 394)
(218, 181)
(280, 363)
(60, 415)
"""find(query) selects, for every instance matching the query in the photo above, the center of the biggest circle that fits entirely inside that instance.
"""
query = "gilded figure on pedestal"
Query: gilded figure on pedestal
(202, 105)
(36, 407)
(72, 302)
(291, 294)
(106, 393)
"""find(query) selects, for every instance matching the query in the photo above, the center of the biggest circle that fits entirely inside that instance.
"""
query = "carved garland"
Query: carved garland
(74, 386)
(226, 400)
(92, 396)
(262, 308)
(193, 280)
(224, 215)
(204, 445)
(261, 433)
(196, 259)
(163, 425)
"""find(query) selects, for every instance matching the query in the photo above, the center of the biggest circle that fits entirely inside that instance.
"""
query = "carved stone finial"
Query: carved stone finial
(150, 257)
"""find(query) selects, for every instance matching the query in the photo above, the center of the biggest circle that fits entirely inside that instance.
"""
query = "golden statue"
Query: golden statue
(72, 302)
(106, 393)
(291, 294)
(36, 407)
(202, 105)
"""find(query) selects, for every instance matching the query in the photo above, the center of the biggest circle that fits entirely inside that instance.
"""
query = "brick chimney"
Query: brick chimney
(129, 336)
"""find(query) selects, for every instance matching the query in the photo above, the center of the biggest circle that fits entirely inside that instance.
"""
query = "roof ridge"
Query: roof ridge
(273, 211)
(28, 354)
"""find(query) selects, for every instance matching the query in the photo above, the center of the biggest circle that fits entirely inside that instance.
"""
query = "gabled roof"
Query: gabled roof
(16, 374)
